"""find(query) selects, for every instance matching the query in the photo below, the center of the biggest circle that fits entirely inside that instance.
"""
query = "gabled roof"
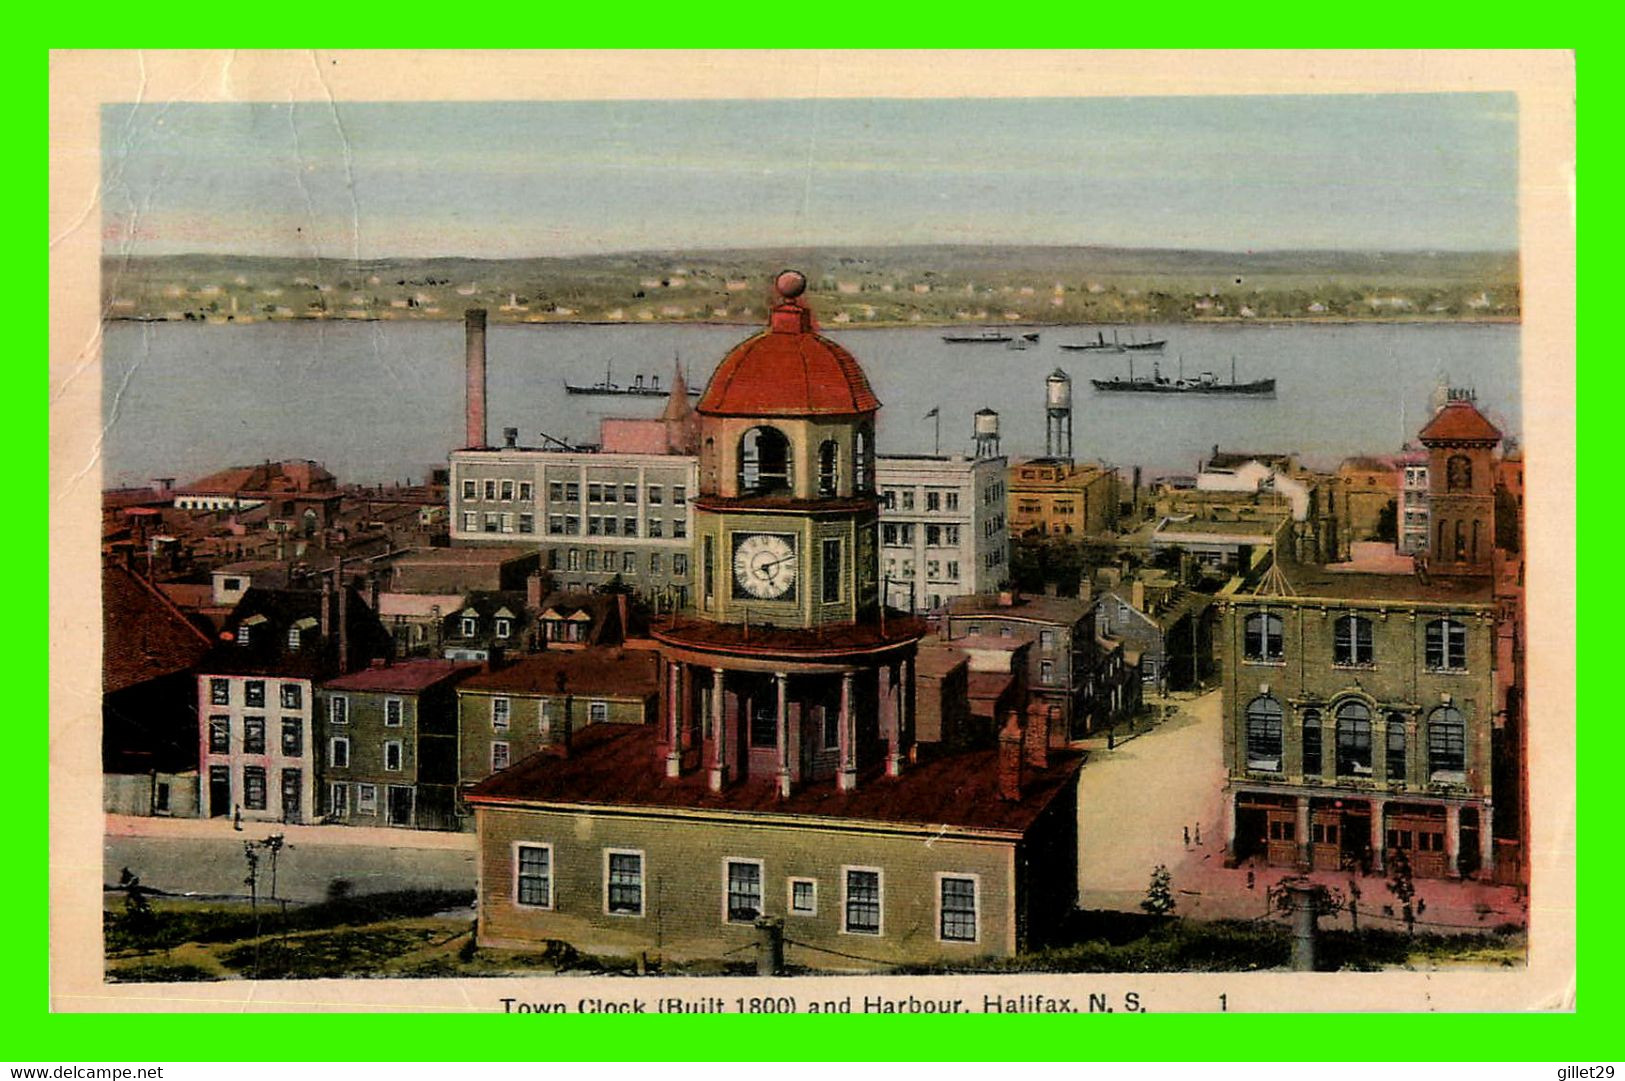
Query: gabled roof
(1459, 422)
(406, 677)
(144, 635)
(603, 672)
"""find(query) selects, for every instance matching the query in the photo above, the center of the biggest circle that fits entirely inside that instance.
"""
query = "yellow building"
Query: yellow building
(1055, 497)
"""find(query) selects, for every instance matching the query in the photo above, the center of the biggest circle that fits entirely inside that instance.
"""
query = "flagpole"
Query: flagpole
(937, 451)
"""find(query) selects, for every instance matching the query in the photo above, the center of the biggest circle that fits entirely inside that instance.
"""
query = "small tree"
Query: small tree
(1159, 896)
(1403, 887)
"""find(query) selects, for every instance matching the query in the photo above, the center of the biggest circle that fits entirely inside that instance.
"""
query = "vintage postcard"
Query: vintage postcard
(813, 532)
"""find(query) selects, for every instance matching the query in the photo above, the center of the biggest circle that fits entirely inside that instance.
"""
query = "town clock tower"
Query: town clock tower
(786, 670)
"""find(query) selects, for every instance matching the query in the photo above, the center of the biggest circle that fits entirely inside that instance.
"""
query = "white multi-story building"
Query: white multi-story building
(1413, 503)
(942, 527)
(592, 515)
(255, 741)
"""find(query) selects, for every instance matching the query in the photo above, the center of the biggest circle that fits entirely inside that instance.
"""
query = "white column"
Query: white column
(893, 706)
(719, 735)
(1486, 841)
(782, 682)
(847, 779)
(1305, 852)
(1230, 824)
(1452, 839)
(674, 709)
(1379, 834)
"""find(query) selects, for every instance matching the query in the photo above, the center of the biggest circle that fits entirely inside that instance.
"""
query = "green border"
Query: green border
(34, 1034)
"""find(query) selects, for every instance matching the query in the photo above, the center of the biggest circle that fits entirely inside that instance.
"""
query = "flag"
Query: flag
(931, 414)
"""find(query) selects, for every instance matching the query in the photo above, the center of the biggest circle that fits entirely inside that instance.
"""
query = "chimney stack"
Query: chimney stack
(1137, 595)
(344, 614)
(474, 326)
(1010, 739)
(1035, 736)
(533, 591)
(510, 437)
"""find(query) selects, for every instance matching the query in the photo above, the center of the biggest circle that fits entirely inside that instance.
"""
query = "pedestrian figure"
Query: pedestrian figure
(1198, 833)
(1249, 880)
(1187, 836)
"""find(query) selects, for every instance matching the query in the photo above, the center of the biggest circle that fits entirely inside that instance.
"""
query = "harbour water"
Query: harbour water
(383, 401)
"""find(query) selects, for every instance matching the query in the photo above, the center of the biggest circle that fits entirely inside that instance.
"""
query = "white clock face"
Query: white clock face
(765, 566)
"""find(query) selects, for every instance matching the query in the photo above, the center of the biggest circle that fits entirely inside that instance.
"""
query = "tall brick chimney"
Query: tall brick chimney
(474, 326)
(533, 591)
(1010, 758)
(343, 615)
(1035, 737)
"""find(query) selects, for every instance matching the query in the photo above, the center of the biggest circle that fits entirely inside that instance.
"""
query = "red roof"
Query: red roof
(144, 635)
(605, 672)
(407, 677)
(614, 765)
(788, 370)
(1459, 422)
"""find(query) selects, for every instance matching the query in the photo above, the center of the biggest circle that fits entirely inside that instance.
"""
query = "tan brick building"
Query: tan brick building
(1056, 497)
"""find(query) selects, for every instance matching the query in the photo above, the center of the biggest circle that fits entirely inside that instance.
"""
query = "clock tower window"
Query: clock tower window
(764, 462)
(828, 461)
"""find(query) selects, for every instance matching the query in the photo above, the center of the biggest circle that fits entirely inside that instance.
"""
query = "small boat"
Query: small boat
(639, 387)
(980, 337)
(1150, 345)
(1023, 342)
(1099, 345)
(1205, 383)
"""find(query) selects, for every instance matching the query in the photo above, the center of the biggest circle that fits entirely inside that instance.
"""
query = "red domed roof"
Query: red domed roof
(788, 370)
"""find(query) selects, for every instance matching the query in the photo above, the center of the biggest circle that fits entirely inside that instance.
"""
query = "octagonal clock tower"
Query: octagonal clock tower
(787, 669)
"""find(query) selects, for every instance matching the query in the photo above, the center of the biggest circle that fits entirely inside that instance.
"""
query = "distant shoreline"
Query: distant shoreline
(1217, 320)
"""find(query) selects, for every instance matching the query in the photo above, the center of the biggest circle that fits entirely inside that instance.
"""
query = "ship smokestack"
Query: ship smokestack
(474, 324)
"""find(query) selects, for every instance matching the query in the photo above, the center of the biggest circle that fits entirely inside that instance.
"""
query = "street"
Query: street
(206, 857)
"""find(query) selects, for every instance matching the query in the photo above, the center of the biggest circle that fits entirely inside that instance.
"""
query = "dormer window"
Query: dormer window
(470, 623)
(504, 627)
(246, 630)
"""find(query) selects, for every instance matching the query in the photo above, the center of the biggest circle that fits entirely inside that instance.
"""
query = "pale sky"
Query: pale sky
(362, 180)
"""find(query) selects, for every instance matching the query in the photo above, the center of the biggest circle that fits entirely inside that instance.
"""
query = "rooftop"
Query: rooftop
(604, 672)
(1459, 422)
(145, 635)
(788, 370)
(1039, 609)
(407, 677)
(462, 556)
(1309, 580)
(615, 766)
(833, 639)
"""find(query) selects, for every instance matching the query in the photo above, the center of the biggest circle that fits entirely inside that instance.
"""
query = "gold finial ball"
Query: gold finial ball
(790, 284)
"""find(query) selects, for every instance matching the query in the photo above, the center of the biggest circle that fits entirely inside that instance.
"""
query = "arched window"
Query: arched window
(1264, 734)
(1351, 641)
(1461, 541)
(764, 461)
(1353, 740)
(863, 477)
(1459, 473)
(1445, 646)
(1311, 743)
(829, 456)
(1444, 532)
(1474, 551)
(708, 466)
(1396, 747)
(1263, 637)
(1447, 744)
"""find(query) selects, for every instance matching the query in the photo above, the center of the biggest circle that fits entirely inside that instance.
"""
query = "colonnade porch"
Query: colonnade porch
(1329, 831)
(788, 724)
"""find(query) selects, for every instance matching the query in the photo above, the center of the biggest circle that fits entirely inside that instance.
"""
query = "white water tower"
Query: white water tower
(1058, 415)
(986, 432)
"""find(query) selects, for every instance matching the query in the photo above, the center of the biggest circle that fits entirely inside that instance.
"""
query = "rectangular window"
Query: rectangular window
(832, 571)
(629, 562)
(470, 626)
(572, 559)
(555, 492)
(608, 523)
(491, 490)
(629, 493)
(933, 500)
(950, 500)
(366, 799)
(160, 798)
(708, 570)
(597, 712)
(470, 490)
(803, 897)
(293, 737)
(572, 493)
(293, 696)
(254, 788)
(219, 735)
(654, 562)
(679, 495)
(1046, 641)
(629, 527)
(908, 498)
(254, 692)
(338, 800)
(958, 898)
(933, 536)
(220, 692)
(499, 756)
(527, 523)
(507, 491)
(501, 710)
(656, 495)
(655, 527)
(493, 523)
(679, 565)
(1046, 671)
(623, 883)
(338, 753)
(392, 755)
(527, 491)
(338, 709)
(471, 522)
(592, 558)
(862, 901)
(950, 535)
(572, 525)
(555, 523)
(744, 890)
(533, 875)
(679, 527)
(253, 735)
(392, 712)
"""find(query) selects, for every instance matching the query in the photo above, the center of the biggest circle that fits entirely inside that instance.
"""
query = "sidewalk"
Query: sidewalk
(221, 829)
